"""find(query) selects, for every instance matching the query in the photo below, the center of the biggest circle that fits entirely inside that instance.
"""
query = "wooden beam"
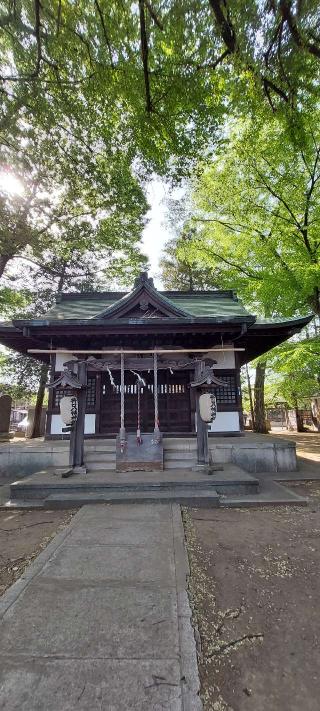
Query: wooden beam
(159, 351)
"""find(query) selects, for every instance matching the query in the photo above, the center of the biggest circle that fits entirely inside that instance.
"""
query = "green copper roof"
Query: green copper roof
(81, 308)
(210, 305)
(198, 304)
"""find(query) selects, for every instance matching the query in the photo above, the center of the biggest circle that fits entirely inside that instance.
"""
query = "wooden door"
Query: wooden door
(173, 399)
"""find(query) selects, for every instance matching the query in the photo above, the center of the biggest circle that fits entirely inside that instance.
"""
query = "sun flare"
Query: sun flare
(10, 184)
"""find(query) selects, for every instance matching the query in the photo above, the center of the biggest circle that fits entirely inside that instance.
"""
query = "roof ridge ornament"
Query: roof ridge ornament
(143, 295)
(142, 279)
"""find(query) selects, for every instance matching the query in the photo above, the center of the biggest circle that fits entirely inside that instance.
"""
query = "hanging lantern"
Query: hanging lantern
(69, 409)
(208, 407)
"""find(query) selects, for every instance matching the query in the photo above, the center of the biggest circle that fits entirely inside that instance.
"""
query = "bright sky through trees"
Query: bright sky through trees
(156, 232)
(10, 184)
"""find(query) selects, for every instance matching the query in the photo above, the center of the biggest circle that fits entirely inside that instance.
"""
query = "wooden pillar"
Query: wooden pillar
(155, 398)
(202, 427)
(239, 392)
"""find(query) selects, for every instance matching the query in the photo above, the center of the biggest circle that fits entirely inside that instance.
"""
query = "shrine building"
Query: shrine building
(149, 338)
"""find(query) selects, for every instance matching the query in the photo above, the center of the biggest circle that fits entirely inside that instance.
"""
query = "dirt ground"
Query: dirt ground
(23, 534)
(254, 586)
(308, 443)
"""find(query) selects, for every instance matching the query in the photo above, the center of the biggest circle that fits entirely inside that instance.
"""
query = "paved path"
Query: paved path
(101, 619)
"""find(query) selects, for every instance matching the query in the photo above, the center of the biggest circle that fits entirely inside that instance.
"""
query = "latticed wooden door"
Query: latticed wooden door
(173, 397)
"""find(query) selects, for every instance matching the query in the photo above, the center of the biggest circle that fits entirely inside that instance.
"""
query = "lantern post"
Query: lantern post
(74, 386)
(204, 383)
(77, 432)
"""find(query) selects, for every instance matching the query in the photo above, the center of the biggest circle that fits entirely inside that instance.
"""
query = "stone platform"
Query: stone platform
(48, 488)
(229, 486)
(252, 453)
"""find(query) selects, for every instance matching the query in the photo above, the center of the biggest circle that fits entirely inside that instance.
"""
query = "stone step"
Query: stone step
(23, 504)
(100, 456)
(180, 455)
(179, 464)
(30, 491)
(230, 485)
(240, 502)
(179, 445)
(95, 466)
(186, 497)
(92, 448)
(271, 493)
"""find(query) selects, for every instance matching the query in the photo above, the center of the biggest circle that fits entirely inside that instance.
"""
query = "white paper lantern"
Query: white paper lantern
(208, 407)
(69, 409)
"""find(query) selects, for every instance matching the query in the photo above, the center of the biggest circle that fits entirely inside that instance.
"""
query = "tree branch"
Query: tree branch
(37, 34)
(232, 228)
(305, 226)
(58, 18)
(38, 37)
(225, 24)
(278, 256)
(251, 275)
(144, 54)
(312, 48)
(278, 197)
(268, 85)
(154, 15)
(216, 62)
(104, 31)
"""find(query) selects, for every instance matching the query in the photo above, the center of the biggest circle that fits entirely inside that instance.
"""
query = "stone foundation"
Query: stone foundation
(253, 453)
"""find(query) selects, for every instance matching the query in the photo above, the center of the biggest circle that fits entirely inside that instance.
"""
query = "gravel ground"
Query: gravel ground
(254, 589)
(23, 534)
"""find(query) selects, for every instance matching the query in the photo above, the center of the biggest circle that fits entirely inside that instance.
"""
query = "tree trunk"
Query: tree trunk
(62, 278)
(259, 410)
(299, 418)
(36, 427)
(315, 409)
(314, 301)
(4, 259)
(44, 373)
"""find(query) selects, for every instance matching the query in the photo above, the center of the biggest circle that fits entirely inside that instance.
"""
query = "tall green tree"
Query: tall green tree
(66, 269)
(257, 216)
(179, 269)
(296, 366)
(255, 224)
(103, 208)
(153, 77)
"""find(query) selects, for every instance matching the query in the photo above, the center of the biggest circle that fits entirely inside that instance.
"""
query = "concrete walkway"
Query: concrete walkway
(101, 619)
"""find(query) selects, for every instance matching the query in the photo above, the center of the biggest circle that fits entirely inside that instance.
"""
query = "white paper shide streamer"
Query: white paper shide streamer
(140, 379)
(208, 407)
(69, 409)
